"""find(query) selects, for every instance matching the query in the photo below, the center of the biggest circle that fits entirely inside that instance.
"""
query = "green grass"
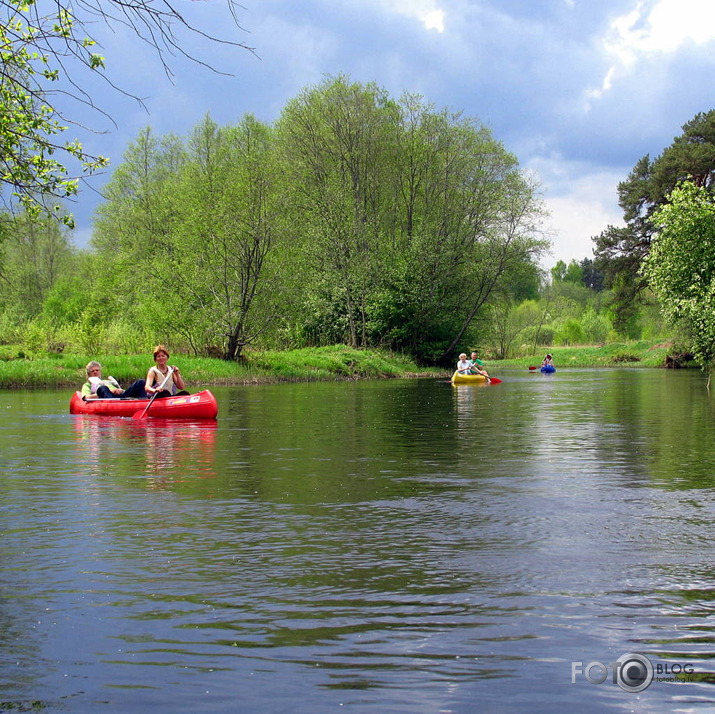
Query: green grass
(18, 370)
(313, 364)
(644, 353)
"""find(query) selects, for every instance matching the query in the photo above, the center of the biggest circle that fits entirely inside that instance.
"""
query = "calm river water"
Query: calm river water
(386, 546)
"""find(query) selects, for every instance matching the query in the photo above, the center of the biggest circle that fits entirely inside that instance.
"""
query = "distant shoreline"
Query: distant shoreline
(22, 371)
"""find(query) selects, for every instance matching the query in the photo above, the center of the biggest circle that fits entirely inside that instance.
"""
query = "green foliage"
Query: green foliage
(564, 314)
(356, 218)
(35, 337)
(595, 326)
(570, 332)
(10, 328)
(625, 358)
(18, 369)
(592, 277)
(574, 293)
(411, 219)
(571, 273)
(36, 252)
(681, 266)
(32, 49)
(46, 51)
(65, 301)
(649, 353)
(511, 325)
(621, 251)
(90, 332)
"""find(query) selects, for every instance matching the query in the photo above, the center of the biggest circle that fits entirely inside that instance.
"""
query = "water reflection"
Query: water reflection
(163, 447)
(386, 546)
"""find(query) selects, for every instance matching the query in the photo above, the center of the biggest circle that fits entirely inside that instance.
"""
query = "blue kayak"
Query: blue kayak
(548, 369)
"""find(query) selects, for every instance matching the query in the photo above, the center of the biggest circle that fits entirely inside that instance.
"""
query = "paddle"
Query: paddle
(532, 368)
(494, 380)
(142, 414)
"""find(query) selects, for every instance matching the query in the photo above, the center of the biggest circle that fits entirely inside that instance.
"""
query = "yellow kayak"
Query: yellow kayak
(458, 378)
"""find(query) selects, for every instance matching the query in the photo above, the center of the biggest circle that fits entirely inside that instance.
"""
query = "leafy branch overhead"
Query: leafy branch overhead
(44, 49)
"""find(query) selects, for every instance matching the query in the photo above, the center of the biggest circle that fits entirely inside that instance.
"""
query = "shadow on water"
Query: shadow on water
(385, 546)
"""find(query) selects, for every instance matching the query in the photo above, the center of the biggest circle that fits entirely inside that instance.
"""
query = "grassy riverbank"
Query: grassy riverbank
(18, 370)
(627, 354)
(314, 364)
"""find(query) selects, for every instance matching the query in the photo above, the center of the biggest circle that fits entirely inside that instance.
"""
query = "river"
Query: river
(374, 546)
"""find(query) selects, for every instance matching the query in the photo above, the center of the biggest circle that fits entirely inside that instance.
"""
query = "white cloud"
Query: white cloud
(575, 219)
(658, 28)
(670, 24)
(426, 11)
(434, 20)
(582, 201)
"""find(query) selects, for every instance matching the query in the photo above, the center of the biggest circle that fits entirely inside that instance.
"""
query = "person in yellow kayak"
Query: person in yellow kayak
(464, 366)
(477, 366)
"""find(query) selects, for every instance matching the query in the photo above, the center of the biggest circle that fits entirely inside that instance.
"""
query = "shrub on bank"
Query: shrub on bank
(41, 369)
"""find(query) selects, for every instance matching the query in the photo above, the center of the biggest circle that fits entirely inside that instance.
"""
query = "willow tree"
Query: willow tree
(467, 217)
(408, 217)
(37, 253)
(133, 223)
(231, 223)
(336, 141)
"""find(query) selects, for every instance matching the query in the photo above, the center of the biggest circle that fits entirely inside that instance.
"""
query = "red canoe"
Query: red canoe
(201, 405)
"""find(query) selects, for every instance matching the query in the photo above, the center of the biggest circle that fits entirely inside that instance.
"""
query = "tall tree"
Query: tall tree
(230, 224)
(336, 139)
(680, 267)
(136, 217)
(509, 239)
(187, 231)
(592, 277)
(620, 251)
(410, 217)
(37, 252)
(387, 223)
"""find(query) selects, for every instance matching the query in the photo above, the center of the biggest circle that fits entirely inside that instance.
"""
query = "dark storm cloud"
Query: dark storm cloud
(575, 96)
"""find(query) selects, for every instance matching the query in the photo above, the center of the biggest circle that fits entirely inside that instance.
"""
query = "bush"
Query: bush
(539, 337)
(622, 357)
(596, 327)
(36, 336)
(571, 333)
(10, 328)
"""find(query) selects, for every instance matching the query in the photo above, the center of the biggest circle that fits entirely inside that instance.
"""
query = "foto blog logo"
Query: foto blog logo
(632, 672)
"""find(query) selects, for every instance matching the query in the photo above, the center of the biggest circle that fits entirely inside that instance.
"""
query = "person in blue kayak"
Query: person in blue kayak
(477, 366)
(97, 388)
(548, 361)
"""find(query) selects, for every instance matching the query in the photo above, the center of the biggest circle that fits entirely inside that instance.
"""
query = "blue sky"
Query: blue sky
(578, 90)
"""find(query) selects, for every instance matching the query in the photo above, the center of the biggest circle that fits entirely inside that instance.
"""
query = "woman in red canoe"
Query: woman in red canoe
(161, 379)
